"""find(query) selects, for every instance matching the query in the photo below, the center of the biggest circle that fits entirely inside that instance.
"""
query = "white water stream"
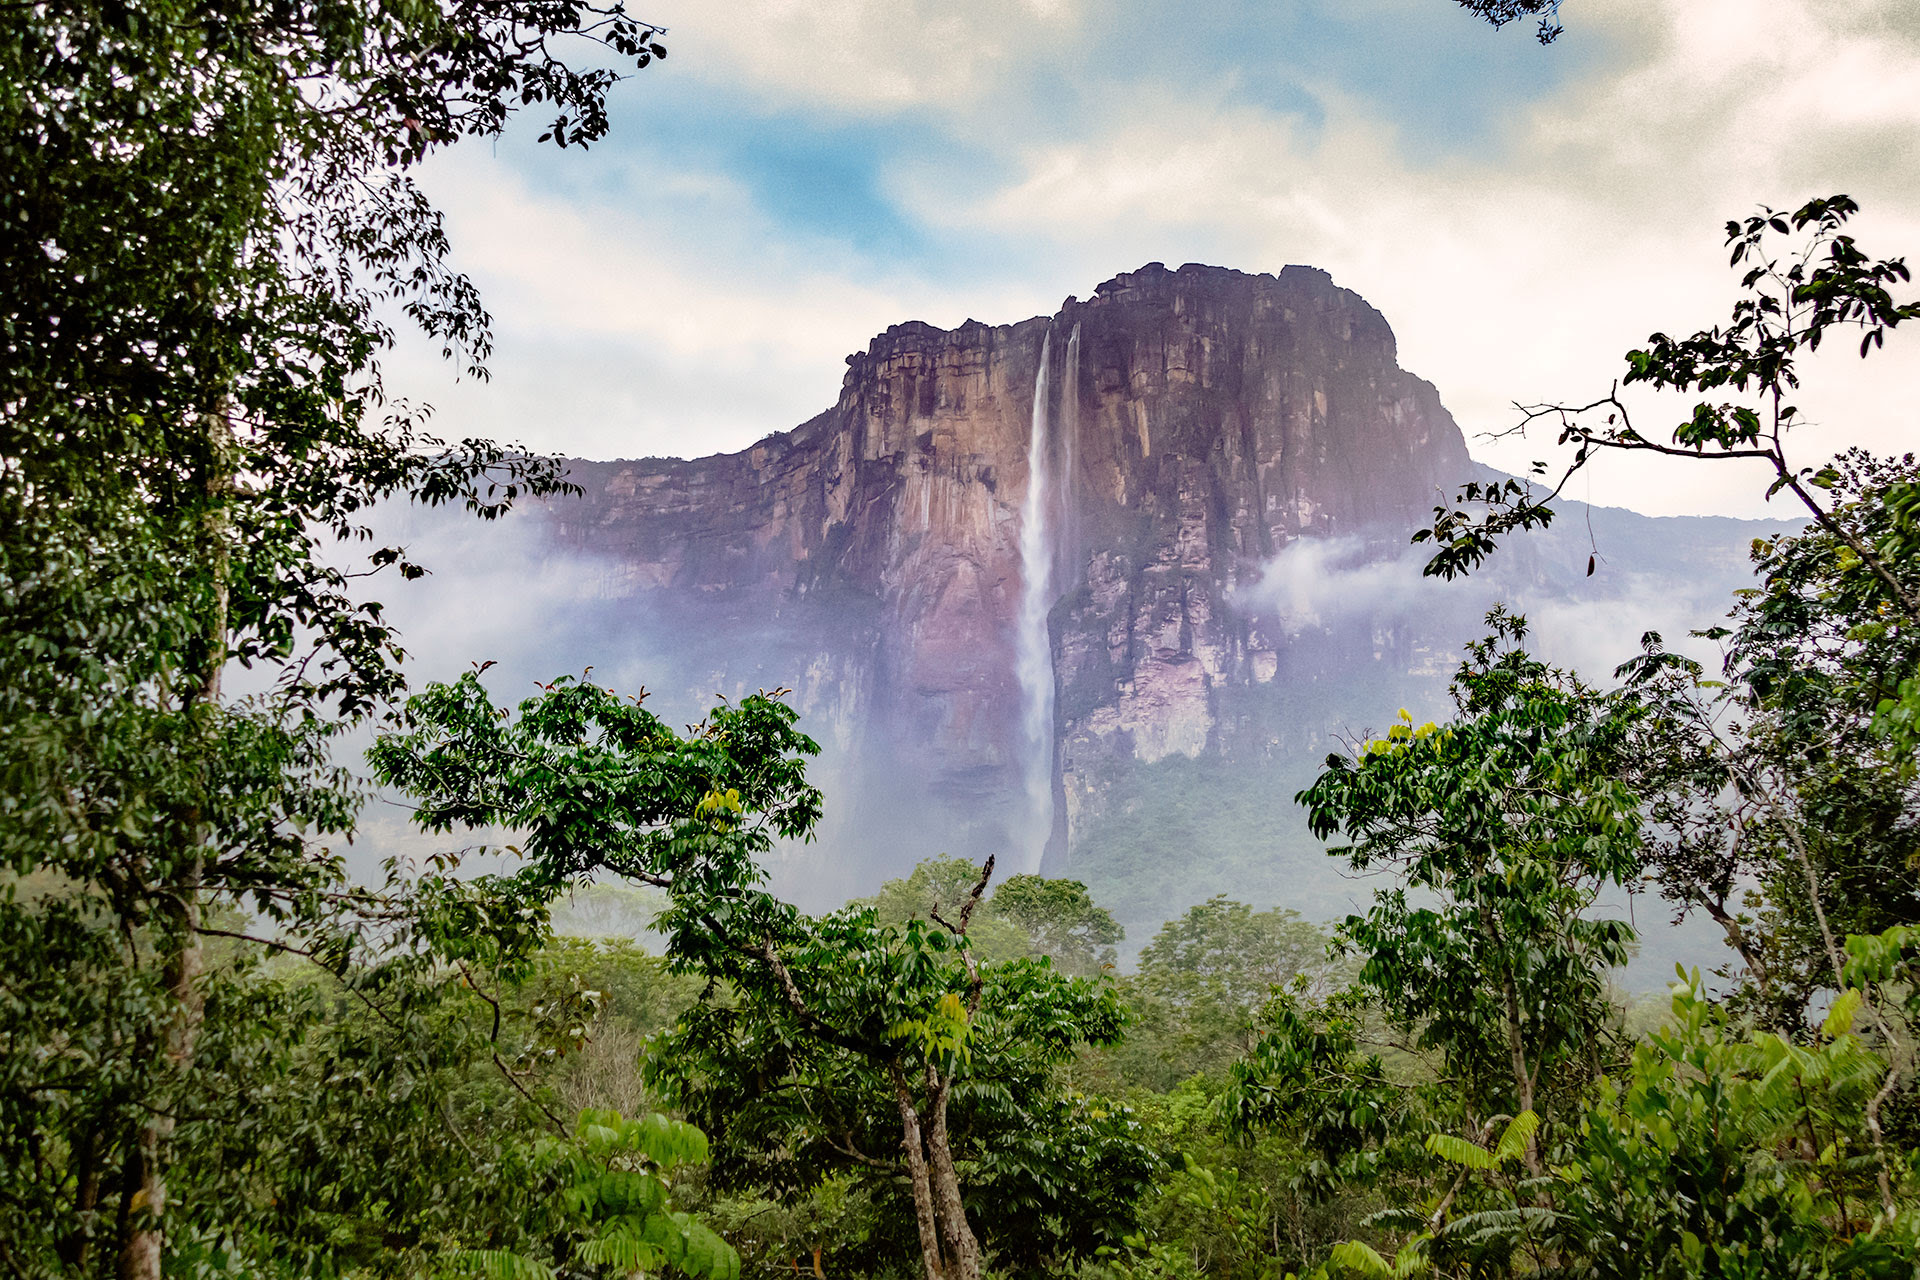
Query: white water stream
(1048, 506)
(1033, 649)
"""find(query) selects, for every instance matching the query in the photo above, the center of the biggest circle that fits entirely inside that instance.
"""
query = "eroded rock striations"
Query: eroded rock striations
(871, 557)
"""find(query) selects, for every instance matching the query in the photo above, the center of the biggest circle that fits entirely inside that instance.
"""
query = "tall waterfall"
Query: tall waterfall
(1033, 657)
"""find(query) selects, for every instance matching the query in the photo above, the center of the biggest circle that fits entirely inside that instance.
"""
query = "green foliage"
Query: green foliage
(942, 884)
(1310, 1075)
(834, 1229)
(207, 217)
(617, 1189)
(1222, 1221)
(1026, 915)
(1779, 800)
(1514, 1140)
(1202, 981)
(1225, 951)
(1509, 821)
(836, 1041)
(1061, 921)
(795, 1102)
(1784, 774)
(612, 1202)
(1725, 1154)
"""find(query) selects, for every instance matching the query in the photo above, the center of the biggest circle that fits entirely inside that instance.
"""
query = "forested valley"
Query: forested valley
(223, 1055)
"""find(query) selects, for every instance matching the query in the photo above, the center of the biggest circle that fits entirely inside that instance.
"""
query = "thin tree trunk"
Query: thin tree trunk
(1738, 940)
(144, 1237)
(74, 1250)
(961, 1244)
(141, 1256)
(1517, 1053)
(913, 1145)
(1516, 1043)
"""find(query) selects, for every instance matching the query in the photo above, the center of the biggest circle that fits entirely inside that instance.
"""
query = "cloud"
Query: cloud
(1524, 272)
(1521, 215)
(1321, 582)
(866, 55)
(1647, 577)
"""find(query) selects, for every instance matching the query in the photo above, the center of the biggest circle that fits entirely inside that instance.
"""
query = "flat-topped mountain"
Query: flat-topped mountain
(1195, 422)
(1103, 586)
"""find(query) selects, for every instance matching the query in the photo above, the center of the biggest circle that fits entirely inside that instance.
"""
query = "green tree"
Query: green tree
(1715, 1152)
(1781, 775)
(841, 1042)
(1504, 826)
(208, 209)
(1025, 916)
(1061, 921)
(1225, 951)
(941, 883)
(1201, 984)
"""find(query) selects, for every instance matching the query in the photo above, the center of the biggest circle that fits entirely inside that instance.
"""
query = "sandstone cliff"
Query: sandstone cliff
(871, 557)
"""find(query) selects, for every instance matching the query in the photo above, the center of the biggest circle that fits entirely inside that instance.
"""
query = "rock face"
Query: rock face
(871, 557)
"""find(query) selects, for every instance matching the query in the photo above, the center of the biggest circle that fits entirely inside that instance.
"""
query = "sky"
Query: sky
(795, 177)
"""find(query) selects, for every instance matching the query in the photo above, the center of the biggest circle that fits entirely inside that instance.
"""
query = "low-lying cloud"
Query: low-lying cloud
(1672, 577)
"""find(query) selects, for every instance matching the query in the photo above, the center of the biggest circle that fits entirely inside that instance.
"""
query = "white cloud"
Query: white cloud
(864, 55)
(625, 332)
(1587, 625)
(689, 321)
(1524, 274)
(1321, 582)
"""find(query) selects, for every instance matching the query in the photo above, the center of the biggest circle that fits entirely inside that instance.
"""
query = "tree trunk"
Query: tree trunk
(1516, 1041)
(140, 1256)
(86, 1162)
(1517, 1053)
(961, 1244)
(1742, 945)
(913, 1145)
(144, 1236)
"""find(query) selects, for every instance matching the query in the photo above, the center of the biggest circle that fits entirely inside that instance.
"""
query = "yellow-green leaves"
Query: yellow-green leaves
(1839, 1019)
(945, 1030)
(722, 808)
(1457, 1150)
(1362, 1259)
(493, 1264)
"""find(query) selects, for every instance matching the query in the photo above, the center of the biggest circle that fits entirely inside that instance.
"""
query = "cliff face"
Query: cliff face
(872, 557)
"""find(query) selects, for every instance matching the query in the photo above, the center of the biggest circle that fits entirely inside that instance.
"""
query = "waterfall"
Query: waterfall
(1033, 659)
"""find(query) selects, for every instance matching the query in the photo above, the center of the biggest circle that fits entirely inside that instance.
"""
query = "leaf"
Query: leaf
(1358, 1256)
(1519, 1132)
(1839, 1018)
(493, 1264)
(1457, 1150)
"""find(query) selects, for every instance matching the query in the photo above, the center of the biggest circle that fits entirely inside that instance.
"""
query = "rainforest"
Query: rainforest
(1132, 789)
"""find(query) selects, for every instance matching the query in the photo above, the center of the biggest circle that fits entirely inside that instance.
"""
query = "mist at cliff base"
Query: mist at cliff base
(1584, 624)
(1648, 576)
(1360, 633)
(501, 594)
